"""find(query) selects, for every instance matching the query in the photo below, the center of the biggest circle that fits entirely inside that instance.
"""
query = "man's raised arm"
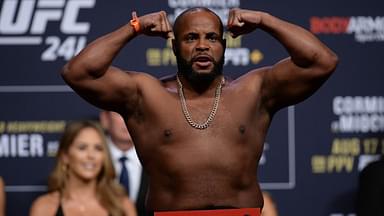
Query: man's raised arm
(91, 75)
(295, 78)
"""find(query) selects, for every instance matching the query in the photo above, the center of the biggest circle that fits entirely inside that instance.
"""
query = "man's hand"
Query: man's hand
(242, 21)
(156, 24)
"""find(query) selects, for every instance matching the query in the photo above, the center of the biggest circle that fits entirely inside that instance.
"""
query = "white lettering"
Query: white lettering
(358, 104)
(39, 24)
(367, 37)
(337, 105)
(13, 144)
(359, 123)
(238, 56)
(14, 20)
(21, 145)
(69, 24)
(362, 24)
(4, 147)
(22, 140)
(23, 19)
(36, 145)
(68, 48)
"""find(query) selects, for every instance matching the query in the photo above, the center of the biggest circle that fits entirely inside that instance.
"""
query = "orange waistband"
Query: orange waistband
(218, 212)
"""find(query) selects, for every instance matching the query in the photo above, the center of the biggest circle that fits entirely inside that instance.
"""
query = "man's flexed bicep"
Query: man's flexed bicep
(292, 79)
(286, 83)
(90, 72)
(297, 77)
(115, 90)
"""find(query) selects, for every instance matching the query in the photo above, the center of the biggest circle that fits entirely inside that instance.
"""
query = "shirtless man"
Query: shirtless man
(199, 136)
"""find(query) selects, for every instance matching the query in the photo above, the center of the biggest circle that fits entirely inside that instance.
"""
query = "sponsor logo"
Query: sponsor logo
(30, 139)
(358, 114)
(25, 22)
(364, 28)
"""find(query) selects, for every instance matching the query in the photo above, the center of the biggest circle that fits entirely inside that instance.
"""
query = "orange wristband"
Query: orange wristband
(135, 22)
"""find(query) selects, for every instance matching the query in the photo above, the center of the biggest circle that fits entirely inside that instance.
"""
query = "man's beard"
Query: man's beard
(197, 79)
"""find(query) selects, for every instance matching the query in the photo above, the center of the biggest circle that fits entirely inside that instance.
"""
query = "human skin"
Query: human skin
(216, 167)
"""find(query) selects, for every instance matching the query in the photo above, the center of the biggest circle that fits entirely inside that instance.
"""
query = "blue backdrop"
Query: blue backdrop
(314, 150)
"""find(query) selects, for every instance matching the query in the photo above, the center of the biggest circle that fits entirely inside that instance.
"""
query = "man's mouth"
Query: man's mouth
(202, 60)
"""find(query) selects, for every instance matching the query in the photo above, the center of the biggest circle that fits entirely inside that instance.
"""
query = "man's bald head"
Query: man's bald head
(179, 19)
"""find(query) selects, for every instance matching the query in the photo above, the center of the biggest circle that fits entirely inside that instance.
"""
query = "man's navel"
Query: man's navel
(242, 129)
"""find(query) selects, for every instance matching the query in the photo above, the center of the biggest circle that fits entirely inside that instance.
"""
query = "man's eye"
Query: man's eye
(212, 39)
(190, 38)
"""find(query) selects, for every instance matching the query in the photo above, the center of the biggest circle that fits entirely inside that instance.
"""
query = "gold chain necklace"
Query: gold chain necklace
(200, 126)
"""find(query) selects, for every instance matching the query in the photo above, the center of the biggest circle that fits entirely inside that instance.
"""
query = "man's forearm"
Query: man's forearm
(96, 57)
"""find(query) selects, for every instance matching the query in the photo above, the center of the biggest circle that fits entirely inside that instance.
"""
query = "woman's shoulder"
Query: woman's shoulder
(45, 204)
(49, 198)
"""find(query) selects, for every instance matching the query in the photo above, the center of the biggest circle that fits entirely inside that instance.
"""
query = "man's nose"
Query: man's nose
(202, 45)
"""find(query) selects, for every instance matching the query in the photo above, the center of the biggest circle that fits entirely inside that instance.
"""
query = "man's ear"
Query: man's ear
(224, 43)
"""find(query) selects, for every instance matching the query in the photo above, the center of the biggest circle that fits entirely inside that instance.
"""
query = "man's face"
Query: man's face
(199, 46)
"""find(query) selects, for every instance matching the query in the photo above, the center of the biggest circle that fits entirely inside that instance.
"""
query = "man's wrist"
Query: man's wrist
(135, 23)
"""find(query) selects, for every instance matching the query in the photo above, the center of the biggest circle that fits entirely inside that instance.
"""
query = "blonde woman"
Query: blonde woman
(83, 179)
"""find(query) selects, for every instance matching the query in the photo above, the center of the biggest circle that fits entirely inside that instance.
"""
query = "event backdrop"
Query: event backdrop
(314, 151)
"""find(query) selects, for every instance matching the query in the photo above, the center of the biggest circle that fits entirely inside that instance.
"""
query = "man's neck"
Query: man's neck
(200, 86)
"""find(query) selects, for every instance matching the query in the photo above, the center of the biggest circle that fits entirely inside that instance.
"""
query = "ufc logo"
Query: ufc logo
(32, 17)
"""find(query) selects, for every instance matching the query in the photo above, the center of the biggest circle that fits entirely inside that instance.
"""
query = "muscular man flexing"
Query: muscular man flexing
(198, 135)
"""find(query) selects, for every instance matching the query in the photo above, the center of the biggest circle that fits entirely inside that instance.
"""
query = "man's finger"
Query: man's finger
(168, 24)
(230, 18)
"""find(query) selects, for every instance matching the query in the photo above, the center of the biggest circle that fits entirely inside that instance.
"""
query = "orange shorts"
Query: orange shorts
(217, 212)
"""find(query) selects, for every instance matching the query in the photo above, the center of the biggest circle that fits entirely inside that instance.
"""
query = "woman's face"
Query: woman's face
(86, 155)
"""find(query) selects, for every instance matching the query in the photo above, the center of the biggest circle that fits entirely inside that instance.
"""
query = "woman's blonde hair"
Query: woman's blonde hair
(108, 191)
